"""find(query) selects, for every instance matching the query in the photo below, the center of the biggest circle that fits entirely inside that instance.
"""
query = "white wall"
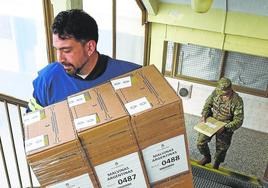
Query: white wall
(255, 108)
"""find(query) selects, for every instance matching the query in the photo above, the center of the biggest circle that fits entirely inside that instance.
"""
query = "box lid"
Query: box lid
(144, 89)
(95, 106)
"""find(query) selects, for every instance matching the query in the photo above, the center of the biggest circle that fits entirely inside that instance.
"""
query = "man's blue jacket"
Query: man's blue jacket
(53, 84)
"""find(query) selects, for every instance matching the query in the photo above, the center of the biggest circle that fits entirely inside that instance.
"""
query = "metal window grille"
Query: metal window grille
(199, 62)
(247, 70)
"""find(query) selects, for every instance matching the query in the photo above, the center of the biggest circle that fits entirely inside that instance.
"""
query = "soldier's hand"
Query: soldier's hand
(203, 119)
(220, 130)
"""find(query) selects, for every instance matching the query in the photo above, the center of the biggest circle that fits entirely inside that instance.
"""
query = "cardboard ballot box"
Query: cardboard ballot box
(158, 122)
(53, 149)
(104, 129)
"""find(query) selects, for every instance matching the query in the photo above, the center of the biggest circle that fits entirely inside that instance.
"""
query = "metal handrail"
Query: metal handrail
(6, 99)
(23, 136)
(12, 141)
(13, 100)
(4, 163)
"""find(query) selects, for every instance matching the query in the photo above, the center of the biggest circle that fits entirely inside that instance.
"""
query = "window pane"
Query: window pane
(23, 53)
(129, 32)
(23, 46)
(247, 70)
(199, 62)
(101, 11)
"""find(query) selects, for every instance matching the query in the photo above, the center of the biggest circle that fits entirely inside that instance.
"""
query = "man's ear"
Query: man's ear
(91, 47)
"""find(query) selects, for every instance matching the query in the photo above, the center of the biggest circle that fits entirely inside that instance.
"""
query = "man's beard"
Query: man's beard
(71, 70)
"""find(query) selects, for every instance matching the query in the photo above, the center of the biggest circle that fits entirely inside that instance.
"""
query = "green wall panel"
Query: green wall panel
(246, 45)
(195, 36)
(248, 25)
(157, 44)
(183, 15)
(245, 33)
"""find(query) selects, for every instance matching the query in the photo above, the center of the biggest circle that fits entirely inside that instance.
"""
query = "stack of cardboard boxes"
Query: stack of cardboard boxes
(53, 149)
(158, 122)
(104, 129)
(131, 131)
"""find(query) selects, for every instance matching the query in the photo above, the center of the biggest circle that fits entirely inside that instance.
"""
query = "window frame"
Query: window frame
(174, 73)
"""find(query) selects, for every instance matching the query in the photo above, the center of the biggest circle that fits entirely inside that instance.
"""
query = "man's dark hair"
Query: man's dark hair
(75, 24)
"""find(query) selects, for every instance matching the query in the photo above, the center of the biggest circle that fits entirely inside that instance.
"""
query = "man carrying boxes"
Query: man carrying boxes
(131, 131)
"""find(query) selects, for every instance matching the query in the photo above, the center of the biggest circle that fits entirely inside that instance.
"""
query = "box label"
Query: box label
(138, 105)
(33, 117)
(36, 143)
(211, 125)
(121, 83)
(165, 159)
(79, 99)
(86, 121)
(82, 181)
(122, 172)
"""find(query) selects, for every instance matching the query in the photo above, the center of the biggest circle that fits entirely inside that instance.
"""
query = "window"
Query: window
(195, 63)
(22, 43)
(199, 62)
(101, 11)
(23, 53)
(129, 32)
(247, 70)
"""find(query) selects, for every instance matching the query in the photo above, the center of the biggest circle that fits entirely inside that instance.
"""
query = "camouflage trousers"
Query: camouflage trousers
(223, 142)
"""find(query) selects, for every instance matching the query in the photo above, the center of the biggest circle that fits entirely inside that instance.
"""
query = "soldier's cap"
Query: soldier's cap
(223, 86)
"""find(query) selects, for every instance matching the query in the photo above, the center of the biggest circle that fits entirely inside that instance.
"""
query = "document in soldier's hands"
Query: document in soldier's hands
(210, 127)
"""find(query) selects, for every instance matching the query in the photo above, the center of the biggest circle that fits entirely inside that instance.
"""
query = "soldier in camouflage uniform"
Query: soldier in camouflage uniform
(224, 105)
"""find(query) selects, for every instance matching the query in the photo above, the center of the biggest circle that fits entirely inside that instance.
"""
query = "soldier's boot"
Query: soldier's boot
(205, 160)
(216, 165)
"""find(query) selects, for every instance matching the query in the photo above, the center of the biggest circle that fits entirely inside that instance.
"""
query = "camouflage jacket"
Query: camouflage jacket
(230, 111)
